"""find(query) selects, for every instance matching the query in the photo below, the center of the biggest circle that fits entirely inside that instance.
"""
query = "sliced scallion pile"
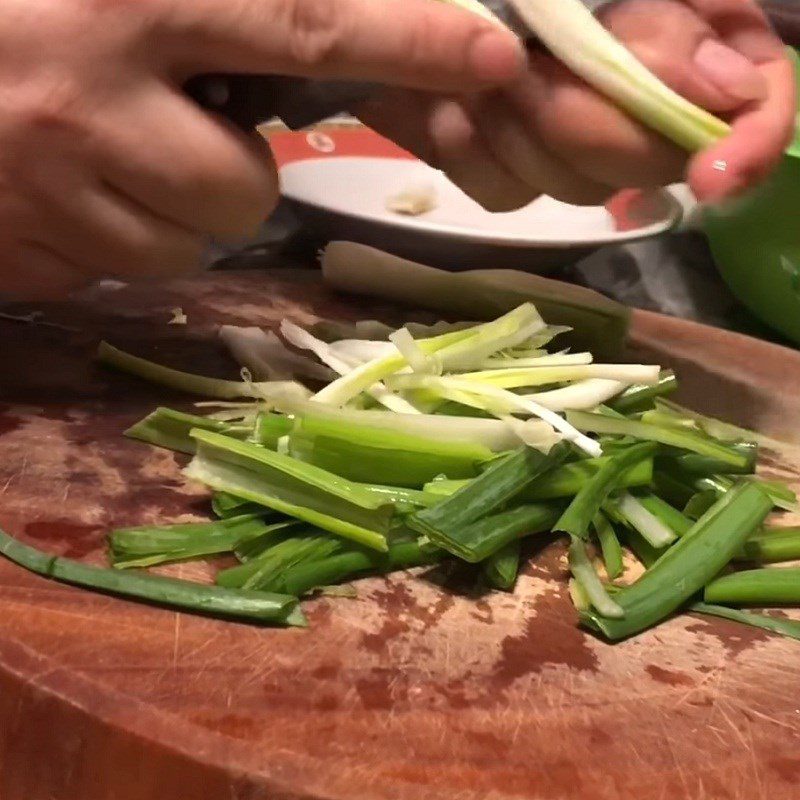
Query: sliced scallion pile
(454, 443)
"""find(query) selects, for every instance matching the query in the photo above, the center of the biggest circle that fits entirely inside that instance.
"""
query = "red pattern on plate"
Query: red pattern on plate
(291, 146)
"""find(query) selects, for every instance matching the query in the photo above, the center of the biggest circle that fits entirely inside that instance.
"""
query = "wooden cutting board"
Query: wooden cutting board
(412, 691)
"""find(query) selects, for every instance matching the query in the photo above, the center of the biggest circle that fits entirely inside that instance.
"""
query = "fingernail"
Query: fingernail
(731, 72)
(497, 56)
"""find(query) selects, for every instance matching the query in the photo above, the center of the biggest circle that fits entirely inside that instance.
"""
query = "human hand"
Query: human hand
(106, 168)
(552, 134)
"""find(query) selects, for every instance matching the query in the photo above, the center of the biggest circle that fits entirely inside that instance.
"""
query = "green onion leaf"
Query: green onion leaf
(148, 545)
(213, 600)
(760, 587)
(290, 487)
(587, 502)
(785, 627)
(689, 564)
(640, 396)
(609, 544)
(500, 570)
(167, 428)
(584, 573)
(671, 437)
(446, 523)
(772, 545)
(196, 384)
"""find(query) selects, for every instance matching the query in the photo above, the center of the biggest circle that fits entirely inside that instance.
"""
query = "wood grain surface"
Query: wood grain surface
(414, 690)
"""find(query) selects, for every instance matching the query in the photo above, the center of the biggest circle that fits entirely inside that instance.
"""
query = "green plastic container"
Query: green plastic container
(756, 244)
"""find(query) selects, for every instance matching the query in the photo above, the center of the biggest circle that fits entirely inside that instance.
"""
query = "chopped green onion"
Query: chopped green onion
(650, 526)
(502, 481)
(593, 319)
(587, 502)
(678, 523)
(689, 564)
(226, 505)
(305, 577)
(641, 548)
(376, 455)
(699, 503)
(671, 488)
(760, 587)
(785, 627)
(638, 397)
(168, 428)
(584, 573)
(291, 487)
(491, 434)
(500, 569)
(516, 377)
(213, 600)
(481, 539)
(563, 481)
(772, 545)
(196, 384)
(148, 545)
(685, 440)
(270, 428)
(609, 544)
(452, 349)
(265, 570)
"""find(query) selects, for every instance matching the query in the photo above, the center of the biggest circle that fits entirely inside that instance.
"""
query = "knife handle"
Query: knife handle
(244, 100)
(250, 100)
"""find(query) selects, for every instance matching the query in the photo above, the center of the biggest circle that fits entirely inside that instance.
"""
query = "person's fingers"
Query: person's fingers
(755, 146)
(402, 115)
(525, 156)
(462, 154)
(725, 58)
(685, 52)
(414, 43)
(763, 129)
(440, 132)
(189, 168)
(110, 234)
(591, 134)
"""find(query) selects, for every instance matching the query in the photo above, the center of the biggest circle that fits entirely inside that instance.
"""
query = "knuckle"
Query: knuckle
(316, 30)
(56, 108)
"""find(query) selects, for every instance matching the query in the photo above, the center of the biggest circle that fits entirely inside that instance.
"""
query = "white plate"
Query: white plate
(346, 197)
